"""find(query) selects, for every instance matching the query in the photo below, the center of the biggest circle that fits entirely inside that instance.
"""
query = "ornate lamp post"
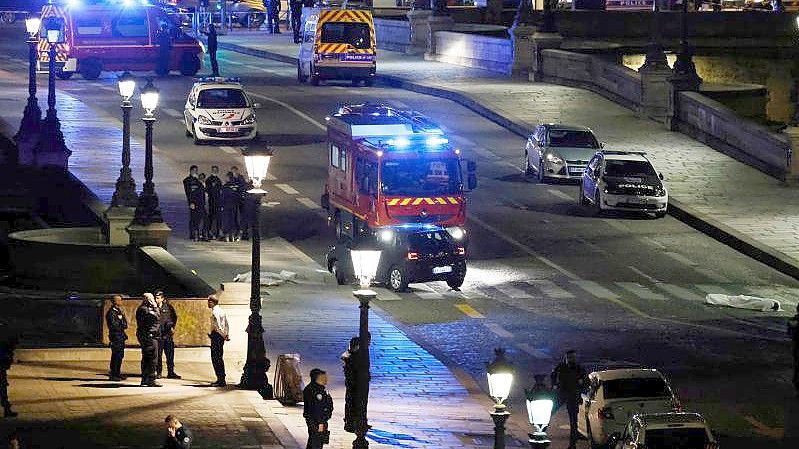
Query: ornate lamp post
(148, 210)
(51, 149)
(125, 192)
(254, 375)
(500, 378)
(365, 260)
(31, 119)
(539, 412)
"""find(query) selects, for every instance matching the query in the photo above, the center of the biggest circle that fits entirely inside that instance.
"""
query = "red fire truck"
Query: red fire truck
(389, 167)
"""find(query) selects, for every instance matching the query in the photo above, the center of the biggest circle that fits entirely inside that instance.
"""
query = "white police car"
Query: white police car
(218, 109)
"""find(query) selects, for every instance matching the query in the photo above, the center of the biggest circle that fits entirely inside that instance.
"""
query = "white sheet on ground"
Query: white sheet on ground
(268, 278)
(743, 302)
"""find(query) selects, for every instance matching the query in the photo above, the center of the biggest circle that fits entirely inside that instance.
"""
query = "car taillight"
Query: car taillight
(460, 251)
(605, 413)
(413, 256)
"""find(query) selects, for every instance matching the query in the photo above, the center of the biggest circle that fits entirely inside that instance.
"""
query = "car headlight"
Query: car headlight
(249, 120)
(456, 232)
(203, 120)
(554, 159)
(660, 191)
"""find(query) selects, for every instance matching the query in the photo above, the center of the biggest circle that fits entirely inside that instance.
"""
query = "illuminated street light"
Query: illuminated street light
(500, 379)
(51, 149)
(148, 210)
(539, 412)
(125, 191)
(30, 125)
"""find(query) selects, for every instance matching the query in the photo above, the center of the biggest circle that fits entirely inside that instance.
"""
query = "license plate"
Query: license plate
(444, 269)
(228, 130)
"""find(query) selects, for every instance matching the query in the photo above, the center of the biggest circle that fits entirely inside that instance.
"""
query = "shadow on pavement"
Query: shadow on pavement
(108, 385)
(288, 140)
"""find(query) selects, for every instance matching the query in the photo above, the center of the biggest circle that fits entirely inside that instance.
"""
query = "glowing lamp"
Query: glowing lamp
(540, 402)
(149, 98)
(54, 30)
(500, 378)
(364, 264)
(32, 25)
(257, 163)
(127, 85)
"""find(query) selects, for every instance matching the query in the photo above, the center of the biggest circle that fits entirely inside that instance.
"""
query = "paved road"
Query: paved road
(543, 276)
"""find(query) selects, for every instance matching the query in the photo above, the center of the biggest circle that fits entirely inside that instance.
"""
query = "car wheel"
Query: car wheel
(541, 177)
(397, 280)
(597, 204)
(528, 169)
(188, 133)
(456, 280)
(341, 278)
(197, 141)
(90, 69)
(189, 64)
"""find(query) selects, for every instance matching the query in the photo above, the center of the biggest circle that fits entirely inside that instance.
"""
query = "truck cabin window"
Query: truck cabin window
(355, 34)
(420, 177)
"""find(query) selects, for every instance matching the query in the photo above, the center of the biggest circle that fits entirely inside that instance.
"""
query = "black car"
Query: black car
(410, 254)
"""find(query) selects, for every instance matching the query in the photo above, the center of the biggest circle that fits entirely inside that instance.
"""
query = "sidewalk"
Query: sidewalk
(415, 400)
(720, 196)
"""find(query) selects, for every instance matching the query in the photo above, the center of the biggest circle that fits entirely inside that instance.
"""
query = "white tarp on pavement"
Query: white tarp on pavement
(268, 278)
(743, 302)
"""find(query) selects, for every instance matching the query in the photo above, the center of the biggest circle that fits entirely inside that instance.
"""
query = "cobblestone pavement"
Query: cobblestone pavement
(719, 187)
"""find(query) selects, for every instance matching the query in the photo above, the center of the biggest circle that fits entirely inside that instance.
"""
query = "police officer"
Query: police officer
(317, 409)
(570, 379)
(148, 332)
(168, 321)
(205, 226)
(178, 436)
(164, 40)
(793, 331)
(117, 324)
(213, 187)
(273, 16)
(8, 343)
(230, 208)
(195, 196)
(212, 47)
(350, 361)
(296, 19)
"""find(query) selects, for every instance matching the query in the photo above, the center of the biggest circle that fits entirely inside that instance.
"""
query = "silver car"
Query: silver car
(559, 151)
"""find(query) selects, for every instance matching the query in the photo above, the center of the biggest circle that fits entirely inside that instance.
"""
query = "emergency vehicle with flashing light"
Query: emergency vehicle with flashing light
(389, 167)
(219, 109)
(115, 36)
(337, 44)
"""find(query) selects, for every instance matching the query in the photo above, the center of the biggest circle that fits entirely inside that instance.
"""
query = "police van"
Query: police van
(337, 43)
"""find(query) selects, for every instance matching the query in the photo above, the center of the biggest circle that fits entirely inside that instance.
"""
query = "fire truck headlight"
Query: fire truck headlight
(399, 142)
(201, 119)
(249, 120)
(456, 232)
(386, 235)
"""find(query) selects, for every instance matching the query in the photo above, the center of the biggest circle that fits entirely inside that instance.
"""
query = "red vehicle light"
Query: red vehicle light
(413, 256)
(460, 251)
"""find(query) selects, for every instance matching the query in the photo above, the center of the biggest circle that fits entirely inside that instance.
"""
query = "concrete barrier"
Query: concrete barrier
(51, 322)
(394, 35)
(472, 50)
(720, 127)
(194, 321)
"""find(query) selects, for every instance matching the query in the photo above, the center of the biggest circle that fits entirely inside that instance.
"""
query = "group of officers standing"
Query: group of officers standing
(295, 9)
(219, 209)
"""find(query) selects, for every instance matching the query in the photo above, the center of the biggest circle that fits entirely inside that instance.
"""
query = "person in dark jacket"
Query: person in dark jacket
(205, 227)
(178, 436)
(164, 40)
(8, 344)
(230, 208)
(351, 398)
(168, 320)
(317, 409)
(148, 332)
(570, 379)
(117, 325)
(296, 19)
(212, 48)
(213, 187)
(273, 16)
(195, 197)
(793, 332)
(243, 187)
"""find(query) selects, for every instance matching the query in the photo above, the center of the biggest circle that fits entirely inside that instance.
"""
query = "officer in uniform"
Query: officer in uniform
(230, 208)
(168, 321)
(273, 16)
(213, 187)
(212, 48)
(8, 343)
(317, 410)
(570, 379)
(148, 332)
(793, 332)
(164, 40)
(117, 324)
(351, 397)
(296, 19)
(178, 436)
(195, 196)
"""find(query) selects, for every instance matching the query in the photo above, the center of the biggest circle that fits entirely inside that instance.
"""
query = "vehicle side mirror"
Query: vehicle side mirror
(660, 175)
(256, 105)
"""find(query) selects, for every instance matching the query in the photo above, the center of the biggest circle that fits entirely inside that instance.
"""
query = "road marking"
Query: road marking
(488, 154)
(173, 113)
(229, 150)
(538, 353)
(681, 292)
(551, 289)
(713, 275)
(522, 247)
(429, 295)
(593, 246)
(498, 330)
(655, 242)
(713, 288)
(512, 292)
(595, 289)
(287, 188)
(292, 109)
(469, 311)
(561, 195)
(227, 61)
(253, 67)
(642, 274)
(680, 258)
(388, 295)
(641, 291)
(307, 202)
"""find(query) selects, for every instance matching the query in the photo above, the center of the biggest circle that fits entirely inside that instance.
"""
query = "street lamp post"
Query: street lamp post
(365, 260)
(32, 117)
(51, 149)
(539, 412)
(147, 209)
(253, 376)
(125, 192)
(500, 378)
(684, 68)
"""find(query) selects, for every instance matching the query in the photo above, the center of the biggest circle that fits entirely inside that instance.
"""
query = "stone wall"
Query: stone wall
(716, 125)
(471, 50)
(394, 35)
(194, 321)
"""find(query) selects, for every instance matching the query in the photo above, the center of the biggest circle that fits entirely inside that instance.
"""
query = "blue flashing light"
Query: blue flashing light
(73, 3)
(217, 79)
(436, 141)
(399, 142)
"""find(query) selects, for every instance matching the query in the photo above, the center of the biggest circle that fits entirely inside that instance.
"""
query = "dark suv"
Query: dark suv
(409, 254)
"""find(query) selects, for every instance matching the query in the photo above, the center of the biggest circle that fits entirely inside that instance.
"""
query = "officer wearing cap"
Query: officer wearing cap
(117, 325)
(317, 409)
(195, 196)
(168, 321)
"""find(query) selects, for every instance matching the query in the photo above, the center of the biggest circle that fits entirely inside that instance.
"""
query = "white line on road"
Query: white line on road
(229, 150)
(521, 246)
(287, 188)
(535, 352)
(561, 195)
(292, 109)
(551, 289)
(720, 278)
(595, 289)
(513, 292)
(173, 113)
(498, 330)
(230, 61)
(307, 202)
(681, 292)
(642, 274)
(655, 242)
(641, 291)
(680, 258)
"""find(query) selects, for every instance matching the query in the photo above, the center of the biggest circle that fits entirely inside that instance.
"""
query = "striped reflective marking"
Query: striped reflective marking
(469, 311)
(344, 15)
(417, 201)
(43, 46)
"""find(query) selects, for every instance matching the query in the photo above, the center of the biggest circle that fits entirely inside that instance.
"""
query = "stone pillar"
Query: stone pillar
(436, 23)
(153, 234)
(792, 132)
(540, 42)
(657, 93)
(522, 49)
(417, 20)
(117, 220)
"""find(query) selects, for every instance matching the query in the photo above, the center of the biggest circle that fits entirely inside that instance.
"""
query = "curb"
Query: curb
(697, 220)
